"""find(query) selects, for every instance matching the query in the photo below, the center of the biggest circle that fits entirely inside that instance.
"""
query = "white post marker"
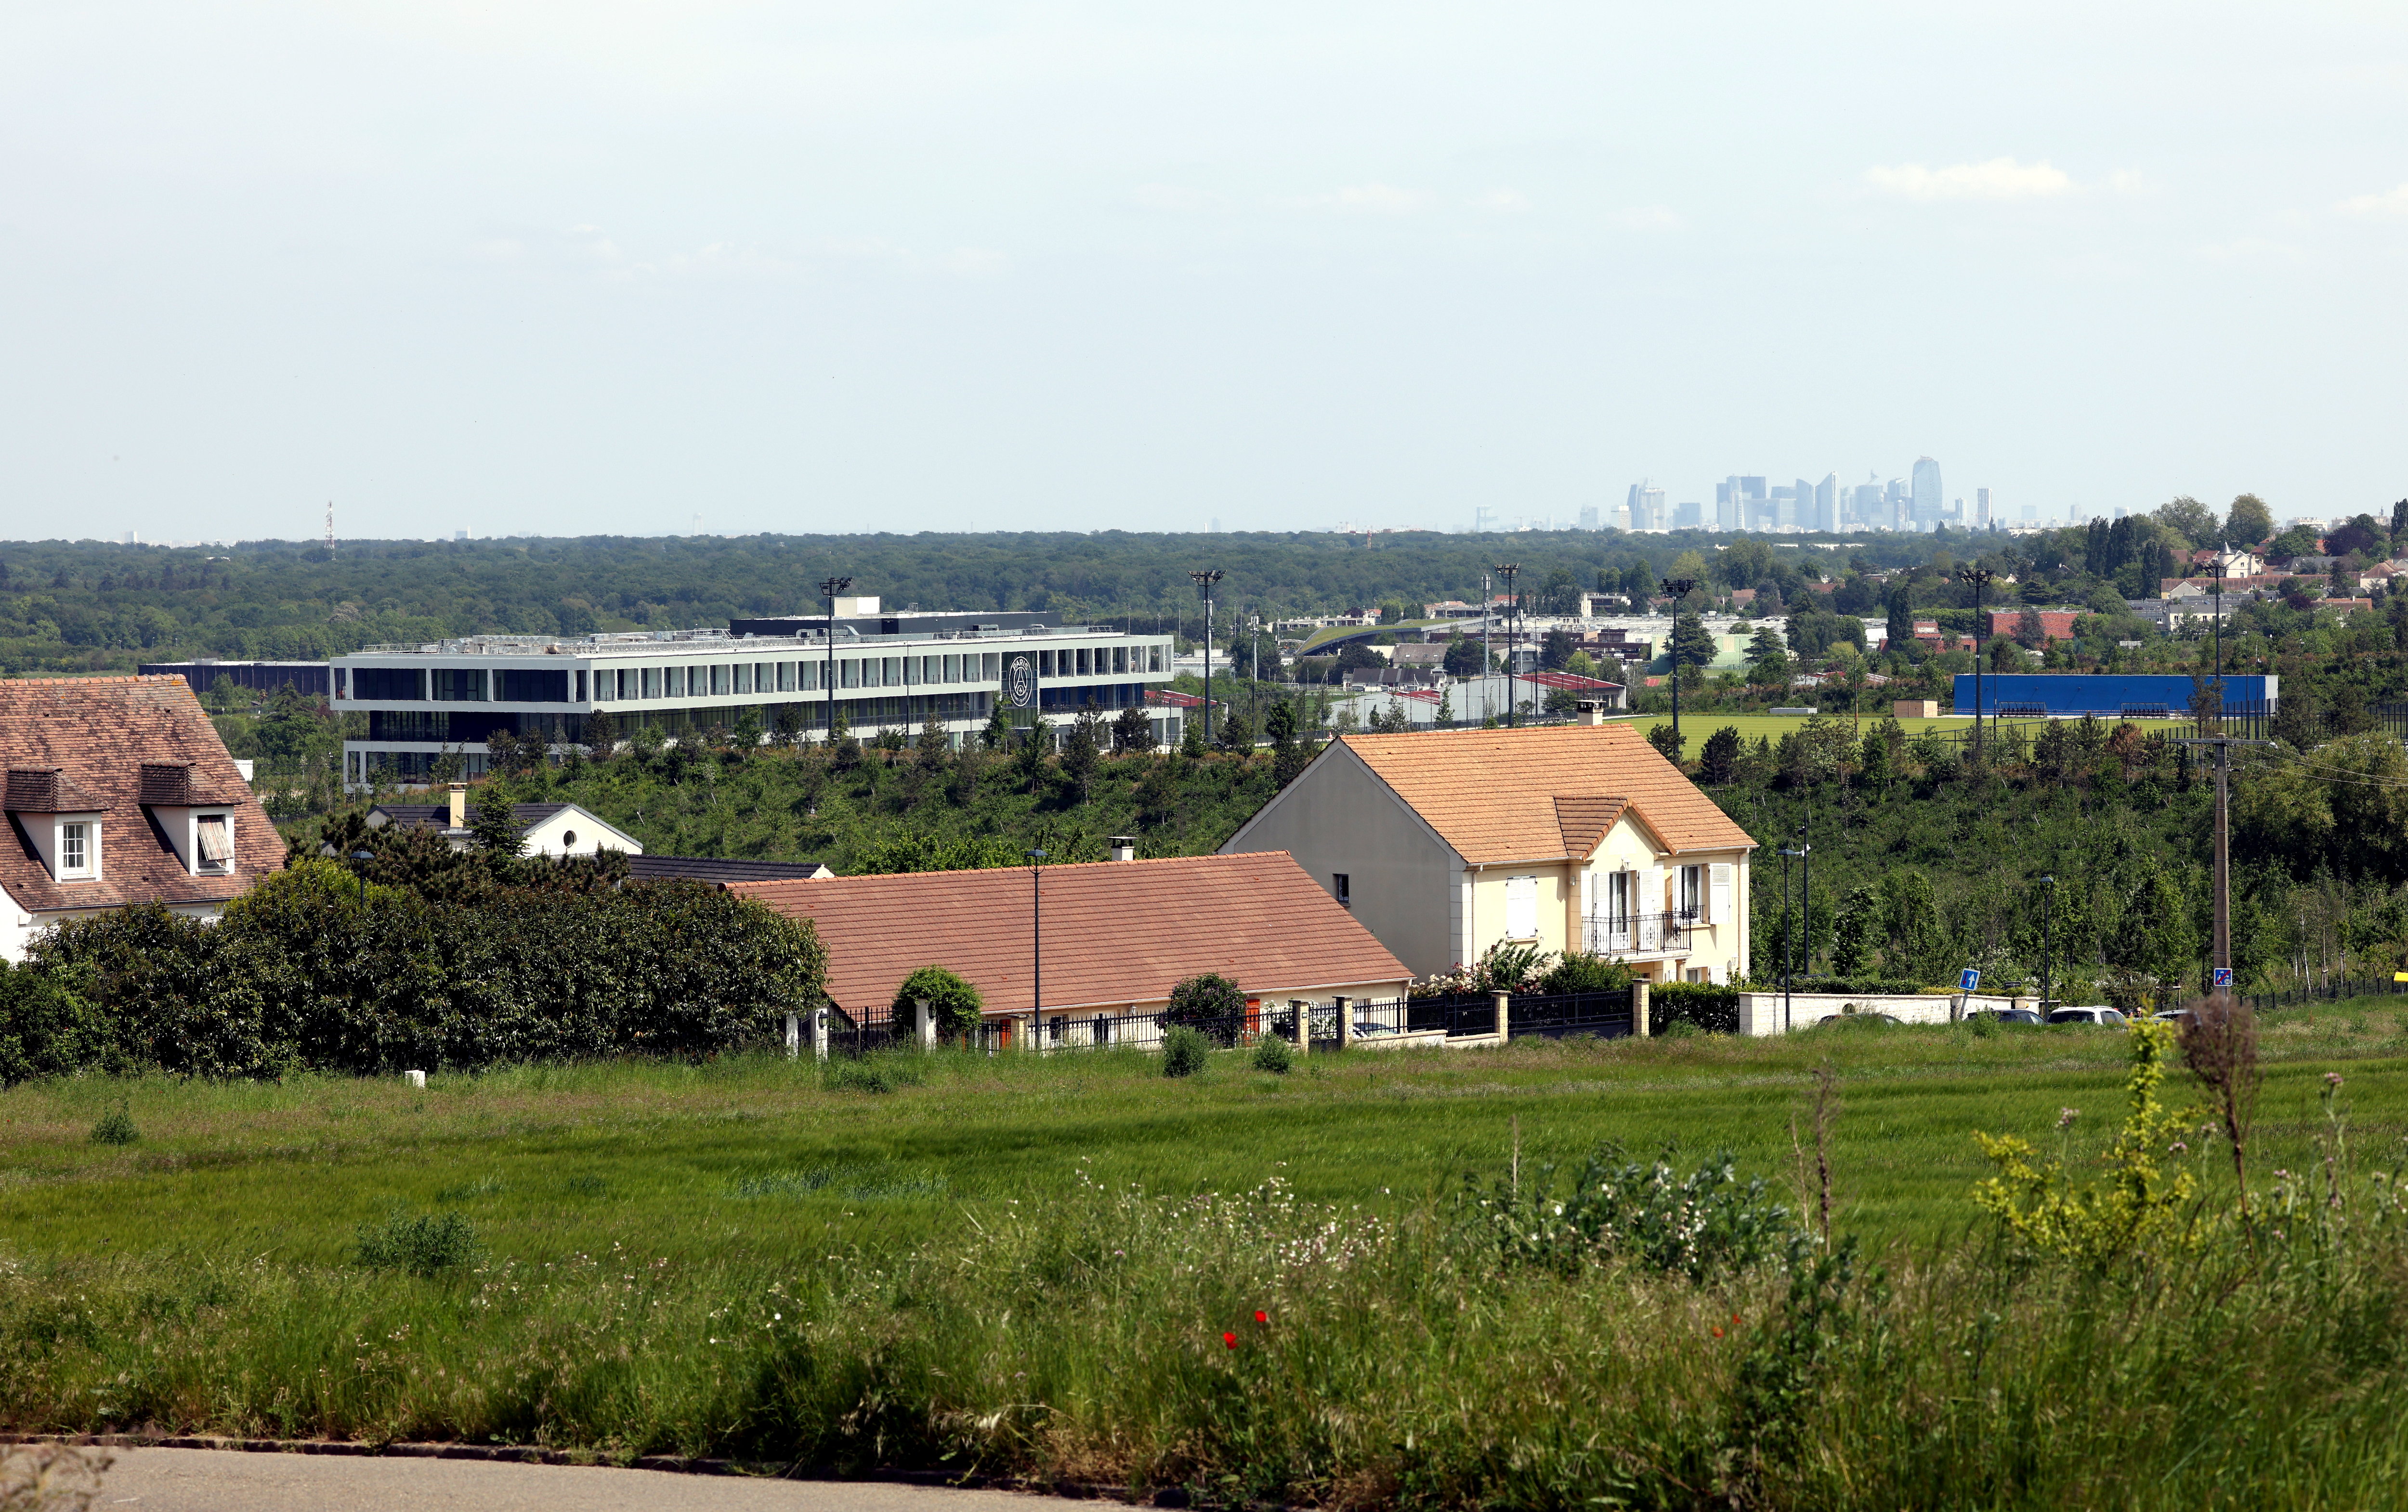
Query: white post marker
(924, 1023)
(794, 1036)
(416, 1079)
(1345, 1024)
(1303, 1025)
(819, 1033)
(1504, 1015)
(1639, 1009)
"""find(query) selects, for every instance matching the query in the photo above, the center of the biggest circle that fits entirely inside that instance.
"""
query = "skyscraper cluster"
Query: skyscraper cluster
(1750, 501)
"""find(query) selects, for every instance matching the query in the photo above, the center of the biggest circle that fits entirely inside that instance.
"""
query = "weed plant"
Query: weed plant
(1272, 1054)
(422, 1246)
(116, 1127)
(1185, 1051)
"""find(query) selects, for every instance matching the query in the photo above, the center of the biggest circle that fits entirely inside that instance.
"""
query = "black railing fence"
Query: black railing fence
(1604, 1015)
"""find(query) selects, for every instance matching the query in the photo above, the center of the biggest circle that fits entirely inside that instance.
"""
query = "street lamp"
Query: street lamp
(1037, 944)
(363, 857)
(1680, 588)
(2047, 915)
(1204, 579)
(1979, 578)
(829, 589)
(1788, 934)
(1509, 570)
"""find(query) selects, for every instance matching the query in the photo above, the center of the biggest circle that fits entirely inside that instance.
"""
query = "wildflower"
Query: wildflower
(2332, 1078)
(1718, 1332)
(1261, 1317)
(1230, 1339)
(2065, 1117)
(1734, 1320)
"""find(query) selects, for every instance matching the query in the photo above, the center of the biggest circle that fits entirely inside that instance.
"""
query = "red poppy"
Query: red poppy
(1230, 1339)
(1718, 1332)
(1261, 1317)
(1734, 1320)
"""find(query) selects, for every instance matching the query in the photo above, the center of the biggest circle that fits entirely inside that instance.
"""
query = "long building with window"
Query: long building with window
(878, 671)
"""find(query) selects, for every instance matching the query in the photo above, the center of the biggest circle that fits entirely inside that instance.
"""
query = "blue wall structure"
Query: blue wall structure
(2073, 692)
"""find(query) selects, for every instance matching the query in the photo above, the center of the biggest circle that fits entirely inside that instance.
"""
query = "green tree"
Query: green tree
(1556, 650)
(1210, 1003)
(494, 826)
(1899, 605)
(1859, 928)
(1463, 658)
(2248, 521)
(2194, 521)
(1768, 657)
(998, 726)
(1718, 759)
(1132, 732)
(953, 1001)
(1082, 746)
(1916, 947)
(1693, 643)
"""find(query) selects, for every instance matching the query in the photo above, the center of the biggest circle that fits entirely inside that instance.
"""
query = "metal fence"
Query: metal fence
(1604, 1015)
(1609, 935)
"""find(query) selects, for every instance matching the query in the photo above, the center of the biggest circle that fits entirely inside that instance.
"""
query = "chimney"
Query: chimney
(1591, 712)
(459, 806)
(1123, 846)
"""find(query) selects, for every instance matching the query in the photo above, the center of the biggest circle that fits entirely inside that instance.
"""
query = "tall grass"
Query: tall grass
(1400, 1356)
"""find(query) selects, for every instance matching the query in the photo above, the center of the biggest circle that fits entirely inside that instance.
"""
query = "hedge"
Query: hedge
(1712, 1008)
(313, 970)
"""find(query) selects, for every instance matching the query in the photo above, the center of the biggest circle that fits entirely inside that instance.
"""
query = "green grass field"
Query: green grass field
(1028, 1266)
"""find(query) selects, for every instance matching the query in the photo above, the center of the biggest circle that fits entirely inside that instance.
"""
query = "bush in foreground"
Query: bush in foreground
(1183, 1050)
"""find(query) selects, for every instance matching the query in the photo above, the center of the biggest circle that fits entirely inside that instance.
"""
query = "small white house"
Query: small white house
(548, 829)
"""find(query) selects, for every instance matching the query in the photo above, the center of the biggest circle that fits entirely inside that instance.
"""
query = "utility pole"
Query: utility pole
(1488, 657)
(1979, 578)
(1806, 896)
(1508, 570)
(2220, 959)
(1788, 934)
(1204, 579)
(1680, 588)
(1037, 944)
(829, 589)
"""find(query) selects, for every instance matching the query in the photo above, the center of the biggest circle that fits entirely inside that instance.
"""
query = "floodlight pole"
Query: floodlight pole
(2047, 956)
(1680, 588)
(1978, 577)
(1788, 934)
(1204, 578)
(1508, 570)
(829, 589)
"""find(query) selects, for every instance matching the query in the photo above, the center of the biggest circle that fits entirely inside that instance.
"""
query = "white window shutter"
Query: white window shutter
(1651, 891)
(1521, 907)
(1718, 903)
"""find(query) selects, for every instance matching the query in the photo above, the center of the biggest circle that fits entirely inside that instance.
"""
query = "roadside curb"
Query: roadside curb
(1168, 1496)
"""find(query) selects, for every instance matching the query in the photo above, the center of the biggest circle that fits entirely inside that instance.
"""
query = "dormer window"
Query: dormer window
(213, 846)
(77, 858)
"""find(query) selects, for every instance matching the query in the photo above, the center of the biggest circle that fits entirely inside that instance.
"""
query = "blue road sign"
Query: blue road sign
(2223, 976)
(1970, 980)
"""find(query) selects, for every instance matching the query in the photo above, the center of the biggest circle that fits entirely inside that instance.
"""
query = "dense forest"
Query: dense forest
(91, 606)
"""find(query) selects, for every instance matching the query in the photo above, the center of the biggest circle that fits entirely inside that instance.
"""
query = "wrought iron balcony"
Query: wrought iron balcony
(1663, 934)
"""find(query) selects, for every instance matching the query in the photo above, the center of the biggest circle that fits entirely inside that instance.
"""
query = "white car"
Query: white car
(2108, 1017)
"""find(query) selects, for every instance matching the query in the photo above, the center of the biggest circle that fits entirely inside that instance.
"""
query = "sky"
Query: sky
(665, 268)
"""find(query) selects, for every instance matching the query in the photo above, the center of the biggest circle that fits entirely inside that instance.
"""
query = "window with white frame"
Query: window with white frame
(76, 849)
(213, 844)
(1618, 888)
(1693, 893)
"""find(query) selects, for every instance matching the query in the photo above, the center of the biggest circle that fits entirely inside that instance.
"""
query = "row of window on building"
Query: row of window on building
(725, 680)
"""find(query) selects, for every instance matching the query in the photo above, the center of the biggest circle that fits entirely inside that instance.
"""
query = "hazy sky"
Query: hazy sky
(606, 266)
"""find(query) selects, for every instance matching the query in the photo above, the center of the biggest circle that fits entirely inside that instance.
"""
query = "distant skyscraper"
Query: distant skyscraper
(1866, 503)
(1688, 516)
(1827, 502)
(1927, 497)
(1897, 505)
(1982, 503)
(1588, 517)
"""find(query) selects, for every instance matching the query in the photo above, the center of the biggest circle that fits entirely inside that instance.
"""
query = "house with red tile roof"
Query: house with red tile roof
(2055, 624)
(119, 792)
(1566, 837)
(1108, 938)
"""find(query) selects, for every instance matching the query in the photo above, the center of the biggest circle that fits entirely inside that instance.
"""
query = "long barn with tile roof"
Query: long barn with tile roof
(1569, 837)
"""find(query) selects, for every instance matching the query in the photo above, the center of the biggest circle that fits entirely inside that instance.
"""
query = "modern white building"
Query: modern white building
(876, 670)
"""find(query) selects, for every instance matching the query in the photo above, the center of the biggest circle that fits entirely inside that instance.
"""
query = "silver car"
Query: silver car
(2109, 1018)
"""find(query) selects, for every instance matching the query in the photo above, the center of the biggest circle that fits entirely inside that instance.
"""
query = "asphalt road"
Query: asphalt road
(222, 1480)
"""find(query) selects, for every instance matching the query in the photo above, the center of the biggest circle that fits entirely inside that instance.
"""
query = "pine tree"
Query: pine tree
(495, 826)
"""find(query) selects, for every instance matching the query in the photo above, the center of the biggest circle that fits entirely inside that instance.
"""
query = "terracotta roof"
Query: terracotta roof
(108, 740)
(1492, 793)
(725, 872)
(1115, 931)
(1585, 822)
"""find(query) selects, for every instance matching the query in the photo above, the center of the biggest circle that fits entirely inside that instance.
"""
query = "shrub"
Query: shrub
(422, 1246)
(1213, 1004)
(1182, 1051)
(873, 1073)
(1578, 972)
(952, 1000)
(1709, 1008)
(1274, 1055)
(116, 1127)
(305, 972)
(44, 1030)
(1706, 1226)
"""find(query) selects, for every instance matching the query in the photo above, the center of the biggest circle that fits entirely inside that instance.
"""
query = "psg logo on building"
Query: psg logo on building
(1024, 682)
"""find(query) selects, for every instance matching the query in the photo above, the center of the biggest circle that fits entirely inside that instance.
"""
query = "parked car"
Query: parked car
(1845, 1018)
(2010, 1016)
(2108, 1017)
(2176, 1017)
